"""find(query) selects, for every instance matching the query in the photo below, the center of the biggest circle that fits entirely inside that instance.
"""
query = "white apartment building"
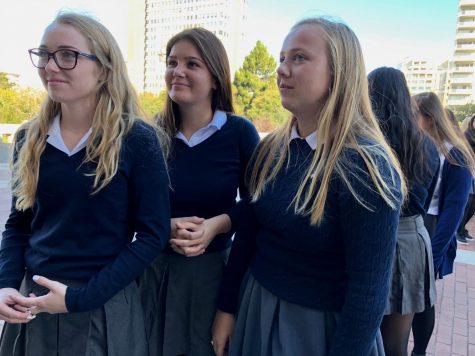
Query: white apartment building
(422, 76)
(153, 22)
(461, 74)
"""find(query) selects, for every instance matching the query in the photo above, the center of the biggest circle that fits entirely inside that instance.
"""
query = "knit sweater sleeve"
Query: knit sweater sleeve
(248, 140)
(150, 219)
(369, 238)
(15, 239)
(242, 251)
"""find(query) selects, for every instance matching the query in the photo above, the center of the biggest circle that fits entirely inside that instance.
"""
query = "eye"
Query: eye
(192, 64)
(298, 57)
(40, 53)
(67, 55)
(171, 63)
(281, 59)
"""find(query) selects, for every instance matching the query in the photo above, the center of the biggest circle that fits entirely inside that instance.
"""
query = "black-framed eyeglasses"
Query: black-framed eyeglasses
(66, 59)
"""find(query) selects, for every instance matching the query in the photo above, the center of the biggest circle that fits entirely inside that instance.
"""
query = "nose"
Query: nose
(283, 69)
(178, 71)
(51, 65)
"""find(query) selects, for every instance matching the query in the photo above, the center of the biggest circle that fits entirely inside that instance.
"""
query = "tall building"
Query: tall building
(153, 22)
(422, 76)
(461, 72)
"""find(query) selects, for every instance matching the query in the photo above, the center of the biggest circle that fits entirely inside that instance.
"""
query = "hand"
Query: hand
(8, 310)
(193, 239)
(223, 328)
(52, 303)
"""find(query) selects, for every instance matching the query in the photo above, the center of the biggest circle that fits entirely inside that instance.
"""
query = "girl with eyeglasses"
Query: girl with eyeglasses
(90, 205)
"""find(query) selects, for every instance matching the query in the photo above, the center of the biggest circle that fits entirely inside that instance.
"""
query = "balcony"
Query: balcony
(460, 101)
(466, 24)
(469, 79)
(463, 69)
(465, 2)
(460, 91)
(465, 35)
(465, 47)
(464, 57)
(466, 13)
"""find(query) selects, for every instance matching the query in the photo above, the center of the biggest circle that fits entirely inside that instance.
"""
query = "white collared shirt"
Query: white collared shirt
(218, 121)
(311, 139)
(56, 140)
(434, 203)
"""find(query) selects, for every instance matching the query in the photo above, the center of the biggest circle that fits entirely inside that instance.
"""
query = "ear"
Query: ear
(215, 84)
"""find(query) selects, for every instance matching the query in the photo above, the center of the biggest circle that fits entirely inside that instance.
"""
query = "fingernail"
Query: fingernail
(31, 316)
(35, 278)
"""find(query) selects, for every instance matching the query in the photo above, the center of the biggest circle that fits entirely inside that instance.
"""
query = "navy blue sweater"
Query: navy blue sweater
(70, 234)
(342, 265)
(455, 186)
(420, 193)
(205, 178)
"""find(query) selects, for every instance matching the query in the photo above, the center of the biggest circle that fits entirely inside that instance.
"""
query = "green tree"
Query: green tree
(463, 111)
(254, 77)
(5, 82)
(152, 103)
(18, 105)
(256, 93)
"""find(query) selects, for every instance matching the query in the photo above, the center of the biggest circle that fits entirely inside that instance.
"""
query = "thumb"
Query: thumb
(45, 282)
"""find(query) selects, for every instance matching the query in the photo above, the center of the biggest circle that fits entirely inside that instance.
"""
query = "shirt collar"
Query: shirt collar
(219, 119)
(311, 139)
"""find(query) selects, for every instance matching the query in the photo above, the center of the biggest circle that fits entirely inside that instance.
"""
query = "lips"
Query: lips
(285, 86)
(54, 81)
(180, 84)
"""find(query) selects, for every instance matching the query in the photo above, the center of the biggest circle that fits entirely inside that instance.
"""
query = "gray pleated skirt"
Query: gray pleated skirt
(116, 329)
(179, 296)
(269, 326)
(412, 282)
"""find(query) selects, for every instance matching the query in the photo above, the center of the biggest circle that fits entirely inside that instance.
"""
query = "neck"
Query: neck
(76, 118)
(305, 125)
(194, 118)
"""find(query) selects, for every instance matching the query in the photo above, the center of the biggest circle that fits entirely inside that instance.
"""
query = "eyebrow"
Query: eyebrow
(189, 57)
(294, 50)
(60, 47)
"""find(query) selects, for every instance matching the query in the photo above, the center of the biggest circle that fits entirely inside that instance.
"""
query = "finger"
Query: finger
(187, 234)
(45, 282)
(183, 243)
(187, 225)
(13, 316)
(25, 302)
(194, 250)
(21, 308)
(193, 219)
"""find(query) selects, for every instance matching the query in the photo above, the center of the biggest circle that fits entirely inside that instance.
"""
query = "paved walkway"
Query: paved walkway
(454, 332)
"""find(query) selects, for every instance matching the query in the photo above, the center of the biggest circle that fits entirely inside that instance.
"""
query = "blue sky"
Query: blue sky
(388, 30)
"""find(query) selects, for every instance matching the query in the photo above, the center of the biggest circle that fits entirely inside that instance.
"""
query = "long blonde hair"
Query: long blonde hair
(115, 113)
(442, 130)
(345, 119)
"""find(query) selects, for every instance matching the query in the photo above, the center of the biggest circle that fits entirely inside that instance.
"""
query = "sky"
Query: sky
(389, 30)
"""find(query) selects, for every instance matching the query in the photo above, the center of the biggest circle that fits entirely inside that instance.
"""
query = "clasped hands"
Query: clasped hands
(16, 308)
(191, 235)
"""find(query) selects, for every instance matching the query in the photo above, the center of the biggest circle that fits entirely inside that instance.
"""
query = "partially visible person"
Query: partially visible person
(446, 208)
(90, 207)
(319, 234)
(210, 150)
(412, 284)
(463, 236)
